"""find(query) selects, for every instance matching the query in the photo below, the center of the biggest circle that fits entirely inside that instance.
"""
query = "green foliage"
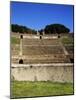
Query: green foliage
(29, 89)
(67, 40)
(22, 29)
(56, 28)
(15, 40)
(49, 29)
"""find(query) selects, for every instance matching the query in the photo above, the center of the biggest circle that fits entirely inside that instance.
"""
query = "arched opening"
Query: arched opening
(71, 60)
(21, 36)
(31, 66)
(21, 61)
(58, 36)
(40, 37)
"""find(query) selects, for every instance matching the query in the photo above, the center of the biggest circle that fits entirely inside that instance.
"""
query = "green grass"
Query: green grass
(29, 89)
(15, 40)
(67, 40)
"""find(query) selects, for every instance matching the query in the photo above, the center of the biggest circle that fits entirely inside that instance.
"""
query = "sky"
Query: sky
(37, 16)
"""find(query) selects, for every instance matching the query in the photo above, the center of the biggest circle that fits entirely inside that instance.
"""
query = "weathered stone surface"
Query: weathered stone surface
(43, 73)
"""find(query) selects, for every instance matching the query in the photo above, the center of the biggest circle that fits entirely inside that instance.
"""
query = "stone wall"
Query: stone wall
(43, 73)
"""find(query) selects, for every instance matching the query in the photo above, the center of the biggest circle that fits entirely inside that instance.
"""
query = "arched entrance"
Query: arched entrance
(21, 61)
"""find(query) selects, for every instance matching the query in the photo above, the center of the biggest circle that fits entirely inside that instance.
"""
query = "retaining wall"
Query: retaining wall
(43, 73)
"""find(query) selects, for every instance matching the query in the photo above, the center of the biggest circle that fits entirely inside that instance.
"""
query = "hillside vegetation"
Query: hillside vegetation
(21, 29)
(49, 29)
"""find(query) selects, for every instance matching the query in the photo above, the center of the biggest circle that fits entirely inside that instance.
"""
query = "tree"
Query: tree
(56, 28)
(22, 29)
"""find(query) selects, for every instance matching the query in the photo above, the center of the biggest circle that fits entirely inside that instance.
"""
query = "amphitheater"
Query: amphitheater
(41, 58)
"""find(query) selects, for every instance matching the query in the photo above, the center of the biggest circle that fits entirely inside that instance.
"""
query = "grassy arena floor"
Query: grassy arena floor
(29, 89)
